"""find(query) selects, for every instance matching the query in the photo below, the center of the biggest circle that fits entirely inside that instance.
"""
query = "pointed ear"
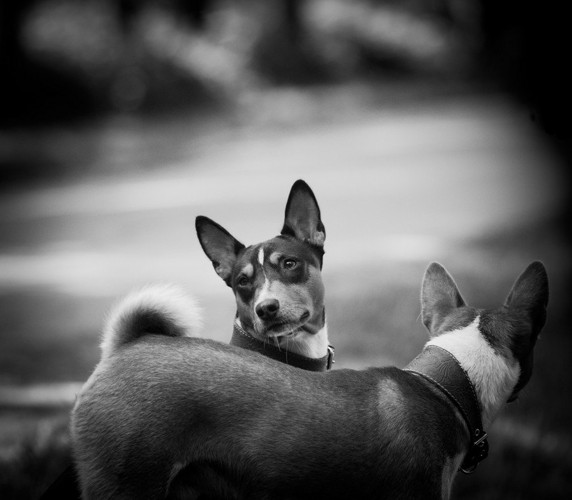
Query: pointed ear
(302, 218)
(219, 245)
(530, 293)
(439, 294)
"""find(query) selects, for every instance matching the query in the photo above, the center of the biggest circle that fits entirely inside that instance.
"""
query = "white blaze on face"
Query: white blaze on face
(493, 375)
(264, 292)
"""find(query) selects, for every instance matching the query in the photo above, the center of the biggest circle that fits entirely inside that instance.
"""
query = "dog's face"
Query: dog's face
(277, 283)
(279, 289)
(508, 333)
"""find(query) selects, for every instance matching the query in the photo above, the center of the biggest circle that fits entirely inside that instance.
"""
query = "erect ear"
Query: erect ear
(219, 245)
(302, 218)
(439, 294)
(530, 293)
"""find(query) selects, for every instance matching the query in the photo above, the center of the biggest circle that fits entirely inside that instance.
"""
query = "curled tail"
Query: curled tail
(155, 309)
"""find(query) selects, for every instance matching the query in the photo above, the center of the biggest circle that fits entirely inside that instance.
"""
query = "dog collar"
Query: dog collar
(241, 338)
(443, 370)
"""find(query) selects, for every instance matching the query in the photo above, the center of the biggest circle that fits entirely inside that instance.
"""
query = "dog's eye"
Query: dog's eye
(289, 263)
(243, 281)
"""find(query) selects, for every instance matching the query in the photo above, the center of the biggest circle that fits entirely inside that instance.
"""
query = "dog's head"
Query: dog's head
(277, 283)
(486, 336)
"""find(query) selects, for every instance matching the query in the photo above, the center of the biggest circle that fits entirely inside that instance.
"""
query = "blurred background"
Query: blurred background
(428, 130)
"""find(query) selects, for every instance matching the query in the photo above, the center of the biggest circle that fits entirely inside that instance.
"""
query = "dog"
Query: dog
(277, 284)
(279, 295)
(176, 417)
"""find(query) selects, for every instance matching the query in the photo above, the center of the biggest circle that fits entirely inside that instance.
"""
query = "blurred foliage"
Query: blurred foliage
(39, 452)
(66, 58)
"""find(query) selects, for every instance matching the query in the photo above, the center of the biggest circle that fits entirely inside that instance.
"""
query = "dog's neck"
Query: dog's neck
(492, 374)
(311, 345)
(242, 338)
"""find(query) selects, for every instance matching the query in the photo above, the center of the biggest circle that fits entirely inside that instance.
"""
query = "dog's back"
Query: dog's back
(199, 384)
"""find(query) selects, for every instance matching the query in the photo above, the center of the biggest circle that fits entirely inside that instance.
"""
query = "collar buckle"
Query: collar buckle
(477, 453)
(331, 354)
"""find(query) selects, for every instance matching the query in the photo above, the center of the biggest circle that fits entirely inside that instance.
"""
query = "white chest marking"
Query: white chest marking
(308, 344)
(493, 375)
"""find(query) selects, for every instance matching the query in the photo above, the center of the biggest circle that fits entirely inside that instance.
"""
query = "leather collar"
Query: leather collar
(241, 338)
(442, 369)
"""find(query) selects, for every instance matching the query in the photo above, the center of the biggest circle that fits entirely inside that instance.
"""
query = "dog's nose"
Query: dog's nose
(267, 309)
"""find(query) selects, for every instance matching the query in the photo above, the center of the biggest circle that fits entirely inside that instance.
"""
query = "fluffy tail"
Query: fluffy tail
(156, 309)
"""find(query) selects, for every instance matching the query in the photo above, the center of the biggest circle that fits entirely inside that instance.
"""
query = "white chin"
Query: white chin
(287, 333)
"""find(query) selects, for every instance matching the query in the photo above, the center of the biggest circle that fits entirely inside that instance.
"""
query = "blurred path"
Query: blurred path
(395, 185)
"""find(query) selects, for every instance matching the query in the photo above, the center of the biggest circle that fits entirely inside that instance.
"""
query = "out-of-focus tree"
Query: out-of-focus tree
(31, 90)
(34, 90)
(193, 11)
(517, 43)
(12, 15)
(527, 46)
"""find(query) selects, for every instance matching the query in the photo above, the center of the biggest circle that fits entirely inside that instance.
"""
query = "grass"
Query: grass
(35, 449)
